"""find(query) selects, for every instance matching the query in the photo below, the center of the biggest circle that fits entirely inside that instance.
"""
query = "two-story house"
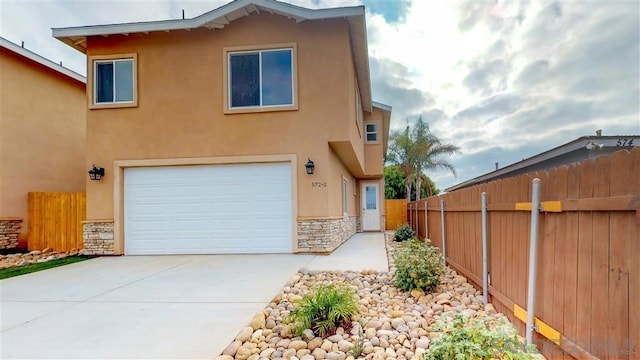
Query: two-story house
(248, 129)
(42, 134)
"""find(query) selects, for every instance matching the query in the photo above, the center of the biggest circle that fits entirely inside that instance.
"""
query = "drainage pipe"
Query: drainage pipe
(533, 259)
(485, 270)
(444, 239)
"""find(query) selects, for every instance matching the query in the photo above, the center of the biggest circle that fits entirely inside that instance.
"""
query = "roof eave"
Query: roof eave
(41, 60)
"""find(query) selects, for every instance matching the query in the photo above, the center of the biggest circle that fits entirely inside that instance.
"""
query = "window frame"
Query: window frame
(228, 51)
(91, 80)
(377, 132)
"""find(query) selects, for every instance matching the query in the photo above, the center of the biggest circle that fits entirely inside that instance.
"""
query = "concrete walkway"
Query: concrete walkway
(154, 306)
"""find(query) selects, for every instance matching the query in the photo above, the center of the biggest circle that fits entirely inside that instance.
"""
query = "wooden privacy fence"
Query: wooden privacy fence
(55, 220)
(588, 275)
(395, 211)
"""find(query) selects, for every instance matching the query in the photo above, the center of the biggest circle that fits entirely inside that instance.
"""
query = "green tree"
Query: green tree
(402, 152)
(394, 184)
(429, 153)
(416, 150)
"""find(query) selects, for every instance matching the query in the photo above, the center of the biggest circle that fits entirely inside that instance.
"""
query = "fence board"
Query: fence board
(588, 284)
(55, 220)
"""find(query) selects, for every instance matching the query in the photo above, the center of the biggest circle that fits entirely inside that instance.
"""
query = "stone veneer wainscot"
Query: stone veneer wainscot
(98, 237)
(322, 235)
(9, 230)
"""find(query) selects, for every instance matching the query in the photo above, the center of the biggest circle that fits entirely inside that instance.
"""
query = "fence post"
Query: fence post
(426, 223)
(533, 259)
(485, 271)
(444, 240)
(417, 221)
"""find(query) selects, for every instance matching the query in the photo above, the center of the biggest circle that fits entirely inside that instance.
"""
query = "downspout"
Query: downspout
(533, 260)
(485, 265)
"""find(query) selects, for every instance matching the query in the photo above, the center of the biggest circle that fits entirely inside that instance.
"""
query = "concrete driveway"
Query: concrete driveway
(154, 306)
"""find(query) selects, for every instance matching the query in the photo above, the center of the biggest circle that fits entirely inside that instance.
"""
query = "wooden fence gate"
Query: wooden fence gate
(395, 213)
(55, 220)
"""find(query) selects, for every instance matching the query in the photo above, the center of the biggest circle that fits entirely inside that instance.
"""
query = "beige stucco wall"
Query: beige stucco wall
(180, 106)
(42, 133)
(373, 151)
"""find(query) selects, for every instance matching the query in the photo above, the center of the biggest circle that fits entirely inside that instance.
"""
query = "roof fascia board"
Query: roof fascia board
(381, 106)
(41, 60)
(180, 24)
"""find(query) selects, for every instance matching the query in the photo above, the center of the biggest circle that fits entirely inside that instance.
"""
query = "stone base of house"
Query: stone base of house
(325, 234)
(9, 231)
(98, 237)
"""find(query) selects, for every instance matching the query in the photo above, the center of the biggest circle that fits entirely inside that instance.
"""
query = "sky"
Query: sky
(503, 80)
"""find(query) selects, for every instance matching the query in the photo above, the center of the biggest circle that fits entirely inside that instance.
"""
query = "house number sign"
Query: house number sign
(319, 184)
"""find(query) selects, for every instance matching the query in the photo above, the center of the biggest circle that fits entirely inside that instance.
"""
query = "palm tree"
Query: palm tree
(402, 152)
(429, 153)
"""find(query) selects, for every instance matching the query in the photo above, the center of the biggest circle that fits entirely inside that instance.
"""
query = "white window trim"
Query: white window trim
(259, 52)
(377, 132)
(345, 197)
(95, 80)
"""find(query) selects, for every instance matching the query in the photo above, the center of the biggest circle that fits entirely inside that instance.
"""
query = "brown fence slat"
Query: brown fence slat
(395, 213)
(588, 281)
(55, 220)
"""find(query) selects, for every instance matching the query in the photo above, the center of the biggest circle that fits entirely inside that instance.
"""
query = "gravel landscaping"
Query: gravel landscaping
(393, 324)
(34, 257)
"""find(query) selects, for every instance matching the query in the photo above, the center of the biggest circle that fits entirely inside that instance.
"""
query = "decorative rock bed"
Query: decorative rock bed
(393, 324)
(20, 259)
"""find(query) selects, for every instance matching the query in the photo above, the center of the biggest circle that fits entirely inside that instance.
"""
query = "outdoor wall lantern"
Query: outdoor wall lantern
(310, 166)
(96, 173)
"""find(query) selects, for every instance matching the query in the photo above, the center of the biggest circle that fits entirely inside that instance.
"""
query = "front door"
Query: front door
(370, 207)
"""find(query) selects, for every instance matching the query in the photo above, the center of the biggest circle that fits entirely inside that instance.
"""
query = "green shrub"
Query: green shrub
(418, 266)
(475, 340)
(324, 310)
(404, 232)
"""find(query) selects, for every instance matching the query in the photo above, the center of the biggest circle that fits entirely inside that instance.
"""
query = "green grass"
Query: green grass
(26, 269)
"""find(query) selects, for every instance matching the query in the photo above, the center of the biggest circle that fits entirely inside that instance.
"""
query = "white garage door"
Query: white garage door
(213, 209)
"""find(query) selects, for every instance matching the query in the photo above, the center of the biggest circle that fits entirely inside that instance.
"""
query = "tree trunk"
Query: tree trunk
(418, 185)
(408, 188)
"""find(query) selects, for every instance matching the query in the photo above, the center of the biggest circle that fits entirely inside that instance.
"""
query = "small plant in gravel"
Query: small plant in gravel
(324, 310)
(358, 347)
(475, 340)
(418, 266)
(404, 232)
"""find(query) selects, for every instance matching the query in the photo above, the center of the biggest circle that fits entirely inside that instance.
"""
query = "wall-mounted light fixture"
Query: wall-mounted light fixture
(310, 166)
(96, 173)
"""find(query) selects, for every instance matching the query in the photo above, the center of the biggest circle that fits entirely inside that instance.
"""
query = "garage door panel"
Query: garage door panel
(208, 209)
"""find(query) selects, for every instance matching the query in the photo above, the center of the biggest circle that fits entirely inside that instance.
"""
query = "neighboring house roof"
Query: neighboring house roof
(76, 37)
(17, 49)
(575, 151)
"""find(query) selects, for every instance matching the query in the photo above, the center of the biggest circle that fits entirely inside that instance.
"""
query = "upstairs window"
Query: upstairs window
(261, 78)
(371, 132)
(113, 81)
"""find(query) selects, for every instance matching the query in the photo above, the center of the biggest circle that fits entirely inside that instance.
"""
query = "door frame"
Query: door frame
(363, 201)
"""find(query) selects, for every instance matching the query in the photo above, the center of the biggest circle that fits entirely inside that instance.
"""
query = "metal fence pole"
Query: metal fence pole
(444, 240)
(485, 265)
(533, 259)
